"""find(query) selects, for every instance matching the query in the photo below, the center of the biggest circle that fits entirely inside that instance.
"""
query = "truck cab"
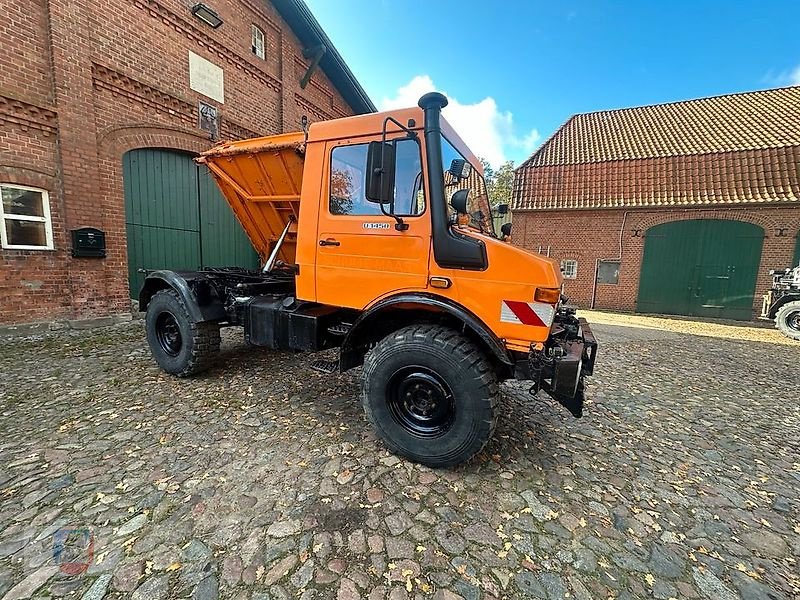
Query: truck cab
(376, 237)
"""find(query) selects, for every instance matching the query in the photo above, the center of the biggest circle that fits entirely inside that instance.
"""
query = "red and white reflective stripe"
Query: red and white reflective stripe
(538, 314)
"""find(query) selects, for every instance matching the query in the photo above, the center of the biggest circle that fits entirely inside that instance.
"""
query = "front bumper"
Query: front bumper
(560, 368)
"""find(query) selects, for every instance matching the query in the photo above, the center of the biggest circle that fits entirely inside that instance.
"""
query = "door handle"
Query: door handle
(329, 242)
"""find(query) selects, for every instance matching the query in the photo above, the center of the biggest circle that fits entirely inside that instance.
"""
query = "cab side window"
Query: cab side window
(348, 181)
(348, 176)
(409, 197)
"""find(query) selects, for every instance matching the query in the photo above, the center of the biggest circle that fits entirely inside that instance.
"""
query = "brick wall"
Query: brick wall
(589, 235)
(81, 83)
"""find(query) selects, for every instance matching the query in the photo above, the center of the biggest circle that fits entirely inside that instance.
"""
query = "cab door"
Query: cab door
(361, 255)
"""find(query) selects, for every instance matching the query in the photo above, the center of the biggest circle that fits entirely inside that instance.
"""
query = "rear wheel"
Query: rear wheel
(179, 345)
(430, 394)
(787, 319)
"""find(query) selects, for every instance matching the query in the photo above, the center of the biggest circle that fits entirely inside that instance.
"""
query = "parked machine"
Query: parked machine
(376, 236)
(782, 302)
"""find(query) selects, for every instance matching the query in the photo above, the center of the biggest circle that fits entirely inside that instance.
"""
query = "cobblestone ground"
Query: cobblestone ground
(261, 480)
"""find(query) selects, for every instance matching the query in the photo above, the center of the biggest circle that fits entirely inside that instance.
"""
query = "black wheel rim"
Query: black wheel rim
(793, 320)
(421, 402)
(168, 333)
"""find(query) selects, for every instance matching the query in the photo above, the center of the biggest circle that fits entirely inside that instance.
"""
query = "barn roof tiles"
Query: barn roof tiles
(734, 149)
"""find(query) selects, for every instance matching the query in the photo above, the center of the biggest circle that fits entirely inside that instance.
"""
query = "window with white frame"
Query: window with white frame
(25, 218)
(257, 44)
(569, 267)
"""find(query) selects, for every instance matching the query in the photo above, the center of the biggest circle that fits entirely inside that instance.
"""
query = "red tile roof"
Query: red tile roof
(730, 149)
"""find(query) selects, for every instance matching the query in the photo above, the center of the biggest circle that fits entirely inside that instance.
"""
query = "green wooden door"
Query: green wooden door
(161, 215)
(176, 218)
(796, 260)
(223, 242)
(700, 267)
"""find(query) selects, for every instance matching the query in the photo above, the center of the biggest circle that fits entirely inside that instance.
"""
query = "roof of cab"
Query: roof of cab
(372, 124)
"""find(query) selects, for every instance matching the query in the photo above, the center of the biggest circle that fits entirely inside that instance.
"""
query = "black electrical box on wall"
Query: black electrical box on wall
(88, 242)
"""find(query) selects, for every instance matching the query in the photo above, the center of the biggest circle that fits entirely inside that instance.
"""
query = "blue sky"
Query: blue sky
(516, 70)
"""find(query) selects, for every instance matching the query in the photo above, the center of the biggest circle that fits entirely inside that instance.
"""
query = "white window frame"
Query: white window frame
(257, 36)
(48, 223)
(569, 273)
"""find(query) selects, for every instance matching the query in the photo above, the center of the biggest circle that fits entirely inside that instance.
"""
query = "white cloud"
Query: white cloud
(782, 78)
(488, 131)
(794, 76)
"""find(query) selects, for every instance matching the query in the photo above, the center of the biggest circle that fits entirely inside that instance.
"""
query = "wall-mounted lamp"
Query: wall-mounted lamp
(207, 15)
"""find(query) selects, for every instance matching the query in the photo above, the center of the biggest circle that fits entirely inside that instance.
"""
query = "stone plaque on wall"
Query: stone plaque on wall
(206, 78)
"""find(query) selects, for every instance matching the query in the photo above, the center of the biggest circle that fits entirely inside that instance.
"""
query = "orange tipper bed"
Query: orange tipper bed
(261, 180)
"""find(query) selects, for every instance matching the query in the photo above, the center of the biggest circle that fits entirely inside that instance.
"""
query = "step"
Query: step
(325, 366)
(340, 329)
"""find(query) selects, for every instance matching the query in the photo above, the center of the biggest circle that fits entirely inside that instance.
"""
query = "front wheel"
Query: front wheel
(787, 319)
(430, 394)
(179, 345)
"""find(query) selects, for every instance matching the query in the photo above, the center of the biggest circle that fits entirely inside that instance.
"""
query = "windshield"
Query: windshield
(478, 206)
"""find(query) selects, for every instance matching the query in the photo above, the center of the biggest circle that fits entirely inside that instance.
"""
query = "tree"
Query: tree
(503, 184)
(499, 183)
(488, 172)
(342, 192)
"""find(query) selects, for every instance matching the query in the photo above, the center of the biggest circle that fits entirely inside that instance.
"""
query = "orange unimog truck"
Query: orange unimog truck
(376, 236)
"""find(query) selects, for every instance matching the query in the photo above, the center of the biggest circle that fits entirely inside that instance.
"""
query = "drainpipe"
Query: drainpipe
(599, 260)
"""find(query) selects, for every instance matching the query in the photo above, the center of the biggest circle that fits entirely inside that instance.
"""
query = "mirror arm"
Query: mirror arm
(399, 225)
(387, 120)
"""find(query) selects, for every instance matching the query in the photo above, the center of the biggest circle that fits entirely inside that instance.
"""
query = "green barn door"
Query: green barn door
(704, 268)
(796, 260)
(665, 282)
(161, 213)
(223, 242)
(176, 218)
(727, 270)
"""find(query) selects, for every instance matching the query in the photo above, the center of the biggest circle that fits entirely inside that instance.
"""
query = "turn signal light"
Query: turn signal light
(548, 295)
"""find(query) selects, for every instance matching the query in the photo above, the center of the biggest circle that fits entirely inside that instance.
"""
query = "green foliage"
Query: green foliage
(499, 182)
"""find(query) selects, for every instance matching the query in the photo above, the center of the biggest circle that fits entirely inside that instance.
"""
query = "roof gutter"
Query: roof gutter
(310, 33)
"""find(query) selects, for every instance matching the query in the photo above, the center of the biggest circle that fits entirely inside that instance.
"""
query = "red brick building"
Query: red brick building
(94, 94)
(675, 208)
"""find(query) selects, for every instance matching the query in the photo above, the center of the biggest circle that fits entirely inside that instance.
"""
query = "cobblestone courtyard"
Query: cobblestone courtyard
(261, 479)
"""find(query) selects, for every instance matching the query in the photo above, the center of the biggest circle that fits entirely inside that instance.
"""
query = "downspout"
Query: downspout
(597, 261)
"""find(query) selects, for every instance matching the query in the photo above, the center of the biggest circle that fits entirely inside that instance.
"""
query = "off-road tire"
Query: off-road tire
(452, 362)
(198, 343)
(786, 319)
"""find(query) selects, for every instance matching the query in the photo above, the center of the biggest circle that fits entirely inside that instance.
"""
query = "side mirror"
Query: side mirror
(459, 201)
(460, 169)
(380, 172)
